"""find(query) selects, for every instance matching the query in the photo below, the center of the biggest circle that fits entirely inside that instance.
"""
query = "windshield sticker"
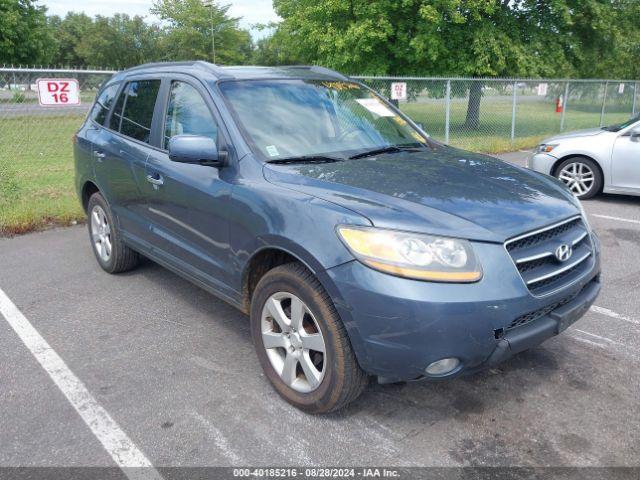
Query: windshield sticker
(272, 150)
(376, 107)
(340, 85)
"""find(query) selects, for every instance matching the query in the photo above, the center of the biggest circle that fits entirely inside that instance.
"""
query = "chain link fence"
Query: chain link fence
(36, 161)
(493, 115)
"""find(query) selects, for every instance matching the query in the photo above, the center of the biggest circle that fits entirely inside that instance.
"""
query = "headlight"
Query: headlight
(412, 255)
(545, 147)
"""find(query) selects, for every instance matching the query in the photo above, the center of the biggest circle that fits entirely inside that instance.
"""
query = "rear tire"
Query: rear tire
(110, 251)
(318, 382)
(581, 175)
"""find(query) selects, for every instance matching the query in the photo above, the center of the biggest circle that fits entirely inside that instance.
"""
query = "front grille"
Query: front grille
(534, 256)
(541, 312)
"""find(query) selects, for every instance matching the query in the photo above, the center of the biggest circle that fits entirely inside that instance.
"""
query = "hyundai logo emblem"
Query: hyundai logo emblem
(563, 252)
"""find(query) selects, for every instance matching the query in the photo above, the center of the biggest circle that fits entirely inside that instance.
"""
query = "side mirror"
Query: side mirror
(635, 135)
(196, 149)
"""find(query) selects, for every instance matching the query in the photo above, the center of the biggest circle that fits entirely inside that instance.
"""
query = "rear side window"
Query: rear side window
(134, 111)
(188, 114)
(103, 104)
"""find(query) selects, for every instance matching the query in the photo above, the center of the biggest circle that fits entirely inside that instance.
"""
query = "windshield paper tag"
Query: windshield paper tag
(272, 150)
(376, 107)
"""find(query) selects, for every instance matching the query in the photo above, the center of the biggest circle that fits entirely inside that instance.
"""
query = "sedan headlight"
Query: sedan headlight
(546, 147)
(413, 255)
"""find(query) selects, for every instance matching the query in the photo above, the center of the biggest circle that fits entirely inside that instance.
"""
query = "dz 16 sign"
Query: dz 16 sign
(398, 91)
(58, 91)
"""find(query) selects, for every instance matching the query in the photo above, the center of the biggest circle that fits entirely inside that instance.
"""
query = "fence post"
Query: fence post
(635, 96)
(447, 112)
(564, 106)
(604, 102)
(513, 111)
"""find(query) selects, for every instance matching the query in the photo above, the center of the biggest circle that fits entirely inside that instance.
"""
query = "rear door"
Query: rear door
(188, 203)
(121, 150)
(625, 162)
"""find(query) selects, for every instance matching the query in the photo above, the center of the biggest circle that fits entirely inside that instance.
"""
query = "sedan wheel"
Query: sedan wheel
(581, 175)
(293, 341)
(578, 177)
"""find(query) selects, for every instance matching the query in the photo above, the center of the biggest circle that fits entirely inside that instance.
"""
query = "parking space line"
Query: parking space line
(122, 450)
(606, 339)
(612, 314)
(619, 219)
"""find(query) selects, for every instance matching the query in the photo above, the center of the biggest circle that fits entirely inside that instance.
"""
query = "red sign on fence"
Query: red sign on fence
(54, 92)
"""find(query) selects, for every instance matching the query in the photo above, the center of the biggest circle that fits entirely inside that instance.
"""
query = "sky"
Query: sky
(251, 11)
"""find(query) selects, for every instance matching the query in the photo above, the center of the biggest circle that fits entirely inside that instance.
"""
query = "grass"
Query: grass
(535, 120)
(36, 173)
(36, 161)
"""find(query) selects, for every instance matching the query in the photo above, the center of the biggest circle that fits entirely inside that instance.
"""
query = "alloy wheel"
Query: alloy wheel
(101, 233)
(578, 177)
(293, 341)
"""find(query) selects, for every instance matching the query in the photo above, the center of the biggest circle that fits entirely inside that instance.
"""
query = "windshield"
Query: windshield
(294, 118)
(619, 126)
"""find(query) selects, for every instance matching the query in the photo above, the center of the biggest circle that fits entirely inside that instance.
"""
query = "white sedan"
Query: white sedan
(605, 159)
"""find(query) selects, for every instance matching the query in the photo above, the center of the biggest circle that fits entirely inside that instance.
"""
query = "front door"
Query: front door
(187, 203)
(625, 163)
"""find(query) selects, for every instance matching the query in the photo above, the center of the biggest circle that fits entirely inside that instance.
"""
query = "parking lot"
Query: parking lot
(175, 370)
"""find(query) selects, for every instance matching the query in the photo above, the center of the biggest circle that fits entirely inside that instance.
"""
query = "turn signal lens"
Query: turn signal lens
(413, 255)
(545, 148)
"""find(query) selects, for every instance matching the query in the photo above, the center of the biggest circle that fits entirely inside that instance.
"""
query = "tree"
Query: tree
(69, 33)
(195, 29)
(474, 38)
(24, 35)
(120, 42)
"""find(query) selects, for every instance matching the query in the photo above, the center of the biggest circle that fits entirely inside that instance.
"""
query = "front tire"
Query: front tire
(581, 175)
(110, 251)
(301, 342)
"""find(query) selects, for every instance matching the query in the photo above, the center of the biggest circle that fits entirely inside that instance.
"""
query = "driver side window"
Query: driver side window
(188, 114)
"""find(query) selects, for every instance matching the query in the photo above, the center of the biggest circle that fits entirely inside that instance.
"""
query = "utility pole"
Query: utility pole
(210, 5)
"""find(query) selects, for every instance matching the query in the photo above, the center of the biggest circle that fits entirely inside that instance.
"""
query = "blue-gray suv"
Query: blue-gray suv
(358, 245)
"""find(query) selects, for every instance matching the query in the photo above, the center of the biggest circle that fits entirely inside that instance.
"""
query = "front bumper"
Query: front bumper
(541, 162)
(399, 326)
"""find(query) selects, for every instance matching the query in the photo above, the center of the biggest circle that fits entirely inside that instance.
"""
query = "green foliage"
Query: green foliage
(24, 36)
(462, 37)
(195, 27)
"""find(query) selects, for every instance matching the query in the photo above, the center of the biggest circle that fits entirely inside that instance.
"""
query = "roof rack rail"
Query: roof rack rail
(318, 69)
(190, 63)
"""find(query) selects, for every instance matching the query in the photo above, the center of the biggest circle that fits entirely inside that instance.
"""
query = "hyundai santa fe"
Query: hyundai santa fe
(357, 245)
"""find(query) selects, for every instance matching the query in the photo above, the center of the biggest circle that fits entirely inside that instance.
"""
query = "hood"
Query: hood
(590, 132)
(442, 191)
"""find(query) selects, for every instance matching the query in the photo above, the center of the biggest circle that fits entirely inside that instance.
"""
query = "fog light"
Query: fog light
(442, 367)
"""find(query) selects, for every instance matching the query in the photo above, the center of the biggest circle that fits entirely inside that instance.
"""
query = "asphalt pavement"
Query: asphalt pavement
(175, 369)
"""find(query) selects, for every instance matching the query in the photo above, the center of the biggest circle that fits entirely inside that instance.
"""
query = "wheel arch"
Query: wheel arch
(262, 261)
(88, 189)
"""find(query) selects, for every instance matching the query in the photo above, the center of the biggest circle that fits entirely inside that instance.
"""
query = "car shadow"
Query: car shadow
(610, 198)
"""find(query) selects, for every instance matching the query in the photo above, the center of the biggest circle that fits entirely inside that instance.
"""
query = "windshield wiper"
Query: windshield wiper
(389, 149)
(305, 159)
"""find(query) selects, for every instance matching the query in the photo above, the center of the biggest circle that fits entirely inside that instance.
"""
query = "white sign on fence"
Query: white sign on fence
(399, 91)
(542, 89)
(621, 88)
(58, 91)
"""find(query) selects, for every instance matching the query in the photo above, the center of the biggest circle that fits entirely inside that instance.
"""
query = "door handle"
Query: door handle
(99, 155)
(155, 179)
